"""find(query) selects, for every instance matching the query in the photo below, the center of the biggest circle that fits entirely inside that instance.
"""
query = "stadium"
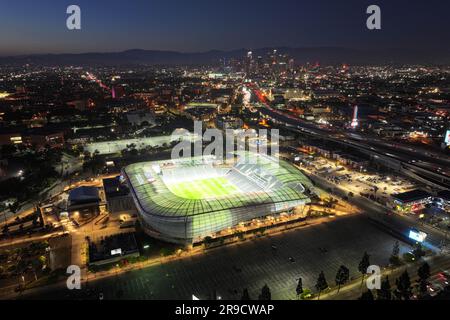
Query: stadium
(185, 200)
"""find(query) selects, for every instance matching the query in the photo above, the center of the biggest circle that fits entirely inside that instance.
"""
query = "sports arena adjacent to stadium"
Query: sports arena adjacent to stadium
(185, 200)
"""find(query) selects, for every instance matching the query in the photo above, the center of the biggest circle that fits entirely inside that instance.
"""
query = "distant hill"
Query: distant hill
(323, 55)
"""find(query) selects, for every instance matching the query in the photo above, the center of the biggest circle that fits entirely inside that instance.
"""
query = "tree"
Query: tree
(265, 293)
(368, 295)
(95, 164)
(299, 289)
(403, 283)
(14, 207)
(384, 293)
(395, 259)
(363, 265)
(342, 276)
(424, 274)
(396, 249)
(418, 251)
(245, 295)
(321, 283)
(208, 240)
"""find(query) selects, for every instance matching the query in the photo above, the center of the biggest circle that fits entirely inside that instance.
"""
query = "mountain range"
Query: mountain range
(323, 55)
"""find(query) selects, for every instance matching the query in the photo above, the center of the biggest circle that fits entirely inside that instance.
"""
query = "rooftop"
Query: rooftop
(113, 187)
(155, 197)
(410, 196)
(84, 195)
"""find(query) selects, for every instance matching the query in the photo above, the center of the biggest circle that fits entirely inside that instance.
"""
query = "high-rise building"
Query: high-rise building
(291, 65)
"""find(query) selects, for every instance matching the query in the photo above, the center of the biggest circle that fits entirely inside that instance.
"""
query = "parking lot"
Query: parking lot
(276, 260)
(376, 186)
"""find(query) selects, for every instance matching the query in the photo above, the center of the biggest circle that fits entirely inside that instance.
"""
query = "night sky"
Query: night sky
(39, 26)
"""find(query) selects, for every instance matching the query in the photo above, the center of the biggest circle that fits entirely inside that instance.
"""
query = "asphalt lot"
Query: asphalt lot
(230, 269)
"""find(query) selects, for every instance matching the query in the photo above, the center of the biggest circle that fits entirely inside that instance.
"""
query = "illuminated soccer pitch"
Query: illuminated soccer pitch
(203, 188)
(186, 200)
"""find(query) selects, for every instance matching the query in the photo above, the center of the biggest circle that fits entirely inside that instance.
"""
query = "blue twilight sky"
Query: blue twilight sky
(39, 26)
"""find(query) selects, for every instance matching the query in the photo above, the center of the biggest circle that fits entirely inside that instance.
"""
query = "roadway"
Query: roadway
(432, 165)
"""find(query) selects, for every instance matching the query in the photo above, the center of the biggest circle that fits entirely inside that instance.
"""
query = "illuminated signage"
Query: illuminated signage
(116, 252)
(447, 138)
(418, 236)
(16, 140)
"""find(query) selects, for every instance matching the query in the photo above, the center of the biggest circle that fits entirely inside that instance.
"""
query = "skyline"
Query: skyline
(203, 26)
(222, 156)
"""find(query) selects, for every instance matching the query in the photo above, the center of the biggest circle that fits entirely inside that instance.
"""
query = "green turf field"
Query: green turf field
(203, 189)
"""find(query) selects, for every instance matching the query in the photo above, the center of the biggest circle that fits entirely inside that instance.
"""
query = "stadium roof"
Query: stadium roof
(155, 198)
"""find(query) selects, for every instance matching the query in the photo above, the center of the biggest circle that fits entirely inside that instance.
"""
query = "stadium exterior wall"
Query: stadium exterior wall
(169, 218)
(189, 229)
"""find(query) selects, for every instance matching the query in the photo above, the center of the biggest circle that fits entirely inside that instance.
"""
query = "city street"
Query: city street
(437, 239)
(268, 154)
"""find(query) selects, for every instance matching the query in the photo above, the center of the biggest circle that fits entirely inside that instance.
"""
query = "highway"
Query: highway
(393, 224)
(428, 167)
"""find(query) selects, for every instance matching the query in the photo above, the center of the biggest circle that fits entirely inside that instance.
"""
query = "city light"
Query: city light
(291, 150)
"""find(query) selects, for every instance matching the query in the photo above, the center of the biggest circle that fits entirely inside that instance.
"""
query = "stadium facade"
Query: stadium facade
(185, 200)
